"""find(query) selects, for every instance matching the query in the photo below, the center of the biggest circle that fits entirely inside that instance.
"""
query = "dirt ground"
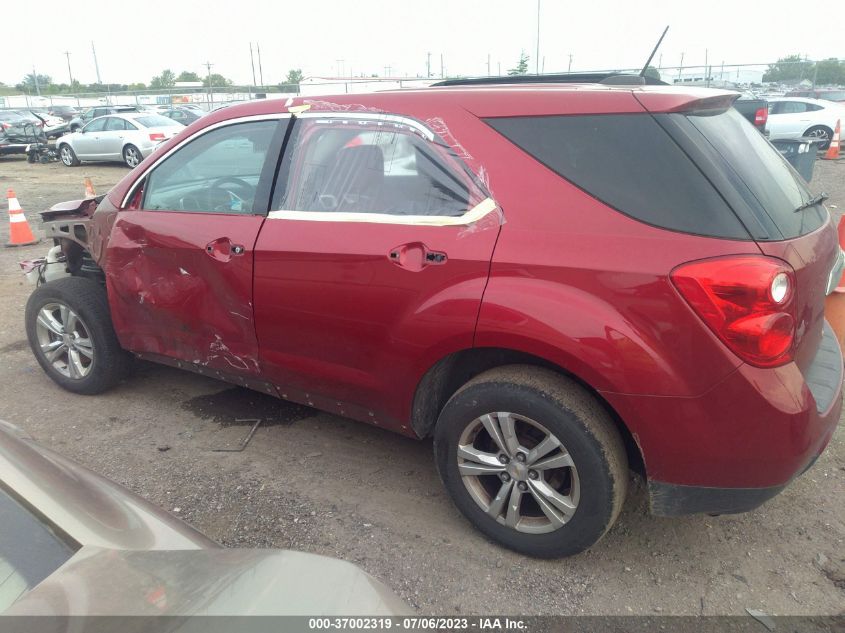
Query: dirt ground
(327, 485)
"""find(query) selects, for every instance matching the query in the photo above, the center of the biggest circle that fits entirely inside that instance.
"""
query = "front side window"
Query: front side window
(217, 172)
(372, 166)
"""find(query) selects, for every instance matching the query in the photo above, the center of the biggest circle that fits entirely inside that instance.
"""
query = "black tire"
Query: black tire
(575, 418)
(109, 363)
(68, 156)
(820, 132)
(132, 156)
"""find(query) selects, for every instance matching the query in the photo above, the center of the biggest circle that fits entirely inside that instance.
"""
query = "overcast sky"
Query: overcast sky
(135, 40)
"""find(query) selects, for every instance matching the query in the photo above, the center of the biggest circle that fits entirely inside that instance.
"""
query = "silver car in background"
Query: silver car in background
(75, 544)
(129, 137)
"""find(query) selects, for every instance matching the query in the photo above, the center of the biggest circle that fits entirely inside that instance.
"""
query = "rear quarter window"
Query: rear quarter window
(631, 164)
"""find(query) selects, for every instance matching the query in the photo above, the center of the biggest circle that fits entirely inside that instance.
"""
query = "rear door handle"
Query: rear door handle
(415, 256)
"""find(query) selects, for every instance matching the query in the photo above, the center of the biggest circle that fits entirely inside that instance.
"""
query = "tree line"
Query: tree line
(793, 68)
(165, 80)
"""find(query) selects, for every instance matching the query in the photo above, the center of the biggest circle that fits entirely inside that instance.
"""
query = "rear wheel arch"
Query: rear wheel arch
(449, 374)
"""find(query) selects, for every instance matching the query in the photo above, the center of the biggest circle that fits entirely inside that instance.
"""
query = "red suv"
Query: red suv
(556, 282)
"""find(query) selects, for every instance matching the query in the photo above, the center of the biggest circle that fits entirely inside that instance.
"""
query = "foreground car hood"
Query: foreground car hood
(230, 582)
(88, 508)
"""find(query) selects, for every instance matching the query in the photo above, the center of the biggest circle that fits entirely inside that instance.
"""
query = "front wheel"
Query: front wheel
(821, 132)
(532, 460)
(132, 156)
(71, 334)
(68, 156)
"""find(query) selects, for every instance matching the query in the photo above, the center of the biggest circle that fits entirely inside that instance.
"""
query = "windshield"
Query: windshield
(29, 551)
(155, 120)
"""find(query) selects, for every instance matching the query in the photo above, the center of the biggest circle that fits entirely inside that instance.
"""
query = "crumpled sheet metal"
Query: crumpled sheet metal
(206, 326)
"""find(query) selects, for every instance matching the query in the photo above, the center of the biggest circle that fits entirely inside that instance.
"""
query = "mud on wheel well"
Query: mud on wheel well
(451, 373)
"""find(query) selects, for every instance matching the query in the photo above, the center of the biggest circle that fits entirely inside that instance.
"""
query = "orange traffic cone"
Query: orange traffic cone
(832, 152)
(89, 188)
(19, 232)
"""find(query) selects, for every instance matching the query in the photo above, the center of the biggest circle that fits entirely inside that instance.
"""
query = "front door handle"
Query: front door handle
(223, 249)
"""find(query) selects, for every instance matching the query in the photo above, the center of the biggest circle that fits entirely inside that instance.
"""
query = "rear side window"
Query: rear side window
(372, 166)
(631, 164)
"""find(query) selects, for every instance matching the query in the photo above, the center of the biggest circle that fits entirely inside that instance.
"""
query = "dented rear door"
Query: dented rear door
(179, 262)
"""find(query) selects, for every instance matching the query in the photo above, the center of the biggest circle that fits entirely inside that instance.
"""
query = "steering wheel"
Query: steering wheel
(247, 192)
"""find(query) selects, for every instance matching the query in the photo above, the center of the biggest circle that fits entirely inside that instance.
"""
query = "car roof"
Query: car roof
(491, 100)
(821, 102)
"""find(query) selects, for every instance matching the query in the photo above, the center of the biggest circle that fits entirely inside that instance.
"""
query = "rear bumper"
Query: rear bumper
(741, 443)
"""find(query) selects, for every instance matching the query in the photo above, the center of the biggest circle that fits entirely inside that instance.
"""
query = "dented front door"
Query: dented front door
(180, 285)
(179, 263)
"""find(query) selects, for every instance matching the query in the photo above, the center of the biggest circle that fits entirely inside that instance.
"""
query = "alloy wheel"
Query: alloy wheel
(133, 157)
(65, 340)
(518, 472)
(67, 157)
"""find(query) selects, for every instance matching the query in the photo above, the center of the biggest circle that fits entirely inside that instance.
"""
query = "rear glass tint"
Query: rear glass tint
(631, 164)
(764, 181)
(154, 120)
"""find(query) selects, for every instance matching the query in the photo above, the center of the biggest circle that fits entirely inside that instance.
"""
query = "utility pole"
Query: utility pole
(96, 65)
(388, 70)
(260, 70)
(569, 70)
(500, 69)
(340, 67)
(252, 62)
(208, 66)
(681, 67)
(69, 73)
(35, 79)
(428, 64)
(442, 74)
(537, 56)
(488, 64)
(706, 72)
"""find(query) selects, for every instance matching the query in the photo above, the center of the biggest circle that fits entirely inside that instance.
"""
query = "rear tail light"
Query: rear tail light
(761, 116)
(747, 301)
(157, 136)
(6, 126)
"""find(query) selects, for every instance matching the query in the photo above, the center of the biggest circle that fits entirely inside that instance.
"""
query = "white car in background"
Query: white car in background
(793, 117)
(129, 137)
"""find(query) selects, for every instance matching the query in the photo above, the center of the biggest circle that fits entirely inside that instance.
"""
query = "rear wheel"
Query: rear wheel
(68, 156)
(132, 156)
(532, 460)
(821, 132)
(71, 334)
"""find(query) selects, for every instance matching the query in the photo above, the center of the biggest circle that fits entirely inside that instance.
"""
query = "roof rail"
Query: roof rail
(616, 79)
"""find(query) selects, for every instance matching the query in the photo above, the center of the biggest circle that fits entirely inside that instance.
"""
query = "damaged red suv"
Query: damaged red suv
(556, 282)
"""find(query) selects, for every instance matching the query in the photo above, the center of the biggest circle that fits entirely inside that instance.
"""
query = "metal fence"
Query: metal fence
(721, 75)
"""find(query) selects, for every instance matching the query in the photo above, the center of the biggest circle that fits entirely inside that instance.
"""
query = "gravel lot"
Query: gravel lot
(327, 485)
